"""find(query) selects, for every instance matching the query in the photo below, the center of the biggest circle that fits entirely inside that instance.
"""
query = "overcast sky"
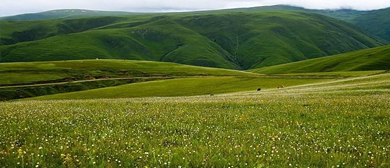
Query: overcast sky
(13, 7)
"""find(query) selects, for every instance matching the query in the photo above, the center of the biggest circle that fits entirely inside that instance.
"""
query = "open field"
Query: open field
(127, 79)
(26, 91)
(23, 80)
(184, 87)
(343, 123)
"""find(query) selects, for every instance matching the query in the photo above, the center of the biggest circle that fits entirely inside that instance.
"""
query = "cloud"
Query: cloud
(12, 7)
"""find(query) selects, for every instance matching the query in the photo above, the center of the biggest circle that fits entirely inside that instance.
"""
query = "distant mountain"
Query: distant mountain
(341, 14)
(234, 40)
(64, 13)
(375, 22)
(368, 59)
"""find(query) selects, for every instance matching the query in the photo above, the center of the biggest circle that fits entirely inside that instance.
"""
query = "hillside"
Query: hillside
(234, 40)
(341, 14)
(182, 87)
(64, 13)
(31, 79)
(364, 19)
(43, 72)
(369, 59)
(376, 23)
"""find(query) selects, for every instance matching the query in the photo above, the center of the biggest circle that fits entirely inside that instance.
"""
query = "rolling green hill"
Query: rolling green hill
(64, 13)
(181, 87)
(376, 22)
(43, 72)
(369, 59)
(31, 79)
(226, 40)
(341, 14)
(371, 21)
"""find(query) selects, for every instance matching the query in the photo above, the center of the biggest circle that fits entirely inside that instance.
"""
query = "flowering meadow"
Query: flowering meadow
(347, 125)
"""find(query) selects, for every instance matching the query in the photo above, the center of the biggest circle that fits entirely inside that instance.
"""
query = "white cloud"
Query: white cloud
(12, 7)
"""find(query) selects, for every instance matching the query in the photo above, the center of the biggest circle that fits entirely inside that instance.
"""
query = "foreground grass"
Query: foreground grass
(300, 126)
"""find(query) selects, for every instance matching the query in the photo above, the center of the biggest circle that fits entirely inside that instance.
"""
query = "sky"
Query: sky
(13, 7)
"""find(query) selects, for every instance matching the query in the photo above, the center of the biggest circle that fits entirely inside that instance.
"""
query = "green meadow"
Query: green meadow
(183, 87)
(339, 123)
(40, 72)
(23, 80)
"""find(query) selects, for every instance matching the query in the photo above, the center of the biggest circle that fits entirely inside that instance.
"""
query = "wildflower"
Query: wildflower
(20, 152)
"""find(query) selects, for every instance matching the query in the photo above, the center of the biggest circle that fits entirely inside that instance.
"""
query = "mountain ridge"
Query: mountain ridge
(224, 40)
(64, 14)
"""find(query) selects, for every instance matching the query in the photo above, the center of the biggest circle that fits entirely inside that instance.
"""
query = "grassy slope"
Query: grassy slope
(19, 92)
(376, 22)
(22, 31)
(342, 14)
(272, 38)
(369, 59)
(182, 87)
(228, 40)
(160, 41)
(376, 83)
(64, 13)
(19, 73)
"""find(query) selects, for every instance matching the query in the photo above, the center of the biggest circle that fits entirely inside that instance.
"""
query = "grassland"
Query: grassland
(184, 87)
(22, 80)
(40, 72)
(232, 40)
(362, 60)
(120, 79)
(343, 123)
(33, 90)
